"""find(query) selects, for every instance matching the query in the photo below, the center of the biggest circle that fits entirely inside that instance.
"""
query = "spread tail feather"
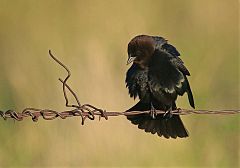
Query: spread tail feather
(172, 127)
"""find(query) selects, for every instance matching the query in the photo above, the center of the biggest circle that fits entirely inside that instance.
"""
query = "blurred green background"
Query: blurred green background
(91, 38)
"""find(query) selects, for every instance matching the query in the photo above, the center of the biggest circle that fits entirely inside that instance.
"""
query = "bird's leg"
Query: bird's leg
(168, 114)
(153, 112)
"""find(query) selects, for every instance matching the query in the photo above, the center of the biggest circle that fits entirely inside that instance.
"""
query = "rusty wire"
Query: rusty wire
(87, 110)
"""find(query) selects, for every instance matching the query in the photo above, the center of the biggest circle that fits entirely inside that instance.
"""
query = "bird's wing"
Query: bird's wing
(168, 77)
(136, 81)
(170, 49)
(178, 63)
(162, 44)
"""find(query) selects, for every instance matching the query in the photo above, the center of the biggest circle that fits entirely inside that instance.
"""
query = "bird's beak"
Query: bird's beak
(130, 60)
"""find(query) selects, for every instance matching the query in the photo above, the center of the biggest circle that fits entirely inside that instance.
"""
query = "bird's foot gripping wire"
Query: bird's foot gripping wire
(153, 112)
(168, 114)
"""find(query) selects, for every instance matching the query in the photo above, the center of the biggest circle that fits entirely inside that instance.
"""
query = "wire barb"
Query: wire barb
(88, 111)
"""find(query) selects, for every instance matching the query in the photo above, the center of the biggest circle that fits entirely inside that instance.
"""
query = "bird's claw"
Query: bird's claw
(153, 112)
(168, 114)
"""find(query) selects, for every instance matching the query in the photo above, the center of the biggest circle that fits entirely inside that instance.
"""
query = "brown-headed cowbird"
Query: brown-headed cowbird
(157, 76)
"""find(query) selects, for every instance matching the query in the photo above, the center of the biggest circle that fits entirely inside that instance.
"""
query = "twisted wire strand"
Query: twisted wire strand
(48, 114)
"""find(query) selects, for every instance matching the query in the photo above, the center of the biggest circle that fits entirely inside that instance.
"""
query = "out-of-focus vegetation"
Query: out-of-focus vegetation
(91, 37)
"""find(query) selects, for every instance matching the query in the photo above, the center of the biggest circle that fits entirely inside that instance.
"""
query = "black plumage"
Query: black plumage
(157, 76)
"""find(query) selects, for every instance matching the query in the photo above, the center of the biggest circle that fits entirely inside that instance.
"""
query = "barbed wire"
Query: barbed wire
(87, 110)
(90, 112)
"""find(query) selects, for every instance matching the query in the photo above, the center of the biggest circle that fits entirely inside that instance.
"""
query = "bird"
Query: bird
(157, 77)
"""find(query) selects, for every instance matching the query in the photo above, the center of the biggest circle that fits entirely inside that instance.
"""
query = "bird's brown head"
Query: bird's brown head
(140, 50)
